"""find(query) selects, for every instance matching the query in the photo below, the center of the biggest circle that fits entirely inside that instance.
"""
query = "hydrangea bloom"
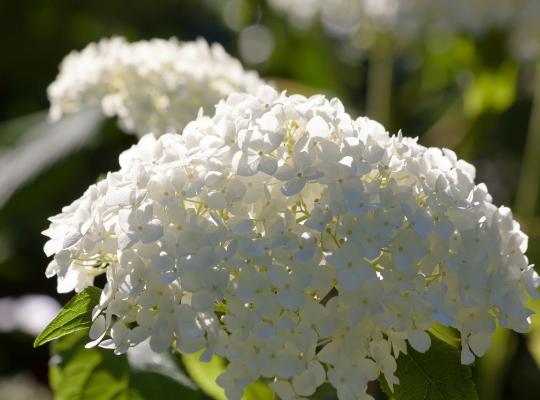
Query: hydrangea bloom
(478, 16)
(518, 17)
(403, 19)
(525, 38)
(343, 17)
(298, 243)
(152, 86)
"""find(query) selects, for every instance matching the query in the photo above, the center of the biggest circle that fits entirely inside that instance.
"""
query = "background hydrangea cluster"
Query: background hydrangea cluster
(152, 86)
(296, 242)
(405, 19)
(344, 17)
(482, 16)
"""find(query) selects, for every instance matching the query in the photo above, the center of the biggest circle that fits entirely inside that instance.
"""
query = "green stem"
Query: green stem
(445, 334)
(379, 90)
(527, 192)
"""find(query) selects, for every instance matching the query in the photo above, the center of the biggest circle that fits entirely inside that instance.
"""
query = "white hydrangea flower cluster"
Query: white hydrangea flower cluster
(525, 38)
(518, 17)
(344, 17)
(296, 242)
(153, 86)
(404, 19)
(478, 16)
(300, 13)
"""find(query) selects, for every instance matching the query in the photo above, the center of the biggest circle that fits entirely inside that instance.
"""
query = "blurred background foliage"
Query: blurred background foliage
(451, 90)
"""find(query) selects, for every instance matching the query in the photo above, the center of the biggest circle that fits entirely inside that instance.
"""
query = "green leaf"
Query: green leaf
(204, 374)
(533, 338)
(258, 391)
(434, 375)
(26, 155)
(73, 317)
(97, 374)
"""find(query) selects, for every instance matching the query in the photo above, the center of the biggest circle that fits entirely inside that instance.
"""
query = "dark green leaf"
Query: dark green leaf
(73, 317)
(434, 375)
(97, 374)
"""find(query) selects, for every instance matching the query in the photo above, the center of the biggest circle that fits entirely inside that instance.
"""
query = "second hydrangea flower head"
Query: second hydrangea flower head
(151, 86)
(298, 243)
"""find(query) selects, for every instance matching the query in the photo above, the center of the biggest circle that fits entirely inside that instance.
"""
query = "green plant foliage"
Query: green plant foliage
(491, 91)
(258, 391)
(434, 375)
(204, 374)
(12, 130)
(446, 334)
(73, 317)
(534, 332)
(97, 374)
